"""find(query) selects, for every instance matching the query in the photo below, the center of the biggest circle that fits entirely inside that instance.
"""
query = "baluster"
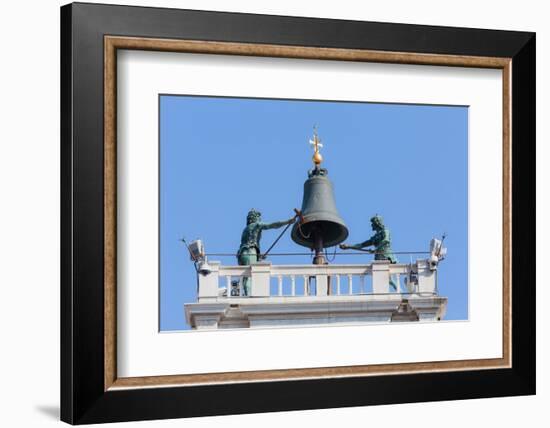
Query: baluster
(228, 285)
(306, 285)
(397, 283)
(280, 285)
(362, 284)
(293, 285)
(337, 285)
(241, 285)
(350, 284)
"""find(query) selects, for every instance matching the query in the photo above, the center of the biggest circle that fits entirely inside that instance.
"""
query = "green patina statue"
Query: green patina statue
(249, 251)
(381, 242)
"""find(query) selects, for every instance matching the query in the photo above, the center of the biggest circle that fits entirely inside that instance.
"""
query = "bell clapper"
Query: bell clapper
(319, 258)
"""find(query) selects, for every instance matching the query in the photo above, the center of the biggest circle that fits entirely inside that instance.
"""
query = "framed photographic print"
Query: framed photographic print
(265, 213)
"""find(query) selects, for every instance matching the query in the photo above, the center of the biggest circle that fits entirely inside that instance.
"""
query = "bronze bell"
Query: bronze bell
(321, 226)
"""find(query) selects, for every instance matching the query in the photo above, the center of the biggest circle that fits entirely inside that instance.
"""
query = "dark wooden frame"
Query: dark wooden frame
(89, 33)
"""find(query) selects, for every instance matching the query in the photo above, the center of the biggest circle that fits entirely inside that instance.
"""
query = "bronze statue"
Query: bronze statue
(381, 242)
(249, 251)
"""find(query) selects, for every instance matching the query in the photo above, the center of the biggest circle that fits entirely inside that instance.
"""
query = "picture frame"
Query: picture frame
(91, 391)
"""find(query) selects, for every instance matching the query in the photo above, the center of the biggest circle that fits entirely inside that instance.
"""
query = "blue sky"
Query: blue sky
(219, 157)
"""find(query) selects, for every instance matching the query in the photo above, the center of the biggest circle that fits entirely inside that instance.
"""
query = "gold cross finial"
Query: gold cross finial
(316, 143)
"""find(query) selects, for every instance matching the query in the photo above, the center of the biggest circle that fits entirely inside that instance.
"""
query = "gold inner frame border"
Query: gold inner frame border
(113, 43)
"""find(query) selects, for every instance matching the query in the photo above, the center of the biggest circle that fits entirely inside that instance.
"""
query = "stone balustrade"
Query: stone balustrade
(267, 280)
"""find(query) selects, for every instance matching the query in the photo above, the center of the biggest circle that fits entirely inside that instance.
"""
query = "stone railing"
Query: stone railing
(267, 280)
